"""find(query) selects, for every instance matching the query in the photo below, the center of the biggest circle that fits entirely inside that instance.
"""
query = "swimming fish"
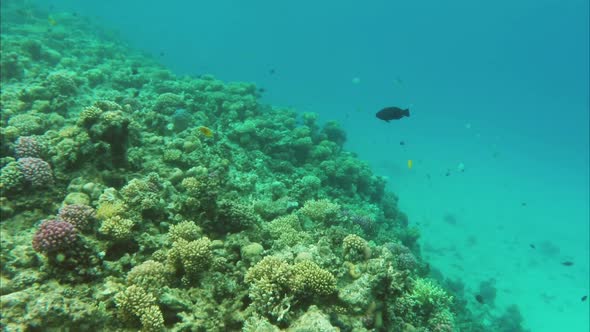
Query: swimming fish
(410, 163)
(532, 246)
(206, 131)
(479, 298)
(584, 298)
(392, 113)
(567, 263)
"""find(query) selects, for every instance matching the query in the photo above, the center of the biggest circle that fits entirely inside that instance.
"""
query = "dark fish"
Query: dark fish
(162, 53)
(272, 71)
(392, 113)
(523, 204)
(136, 93)
(532, 246)
(479, 298)
(567, 263)
(584, 298)
(402, 143)
(134, 71)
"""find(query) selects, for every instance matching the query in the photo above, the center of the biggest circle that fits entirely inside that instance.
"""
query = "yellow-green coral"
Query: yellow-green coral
(117, 228)
(426, 305)
(355, 248)
(309, 278)
(150, 275)
(321, 211)
(136, 302)
(286, 230)
(142, 194)
(89, 115)
(427, 293)
(109, 209)
(271, 268)
(11, 177)
(186, 230)
(270, 281)
(191, 257)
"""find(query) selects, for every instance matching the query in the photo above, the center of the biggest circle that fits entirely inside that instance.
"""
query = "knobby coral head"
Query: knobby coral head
(54, 235)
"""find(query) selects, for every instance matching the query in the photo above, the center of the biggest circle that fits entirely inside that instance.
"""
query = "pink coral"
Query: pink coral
(81, 216)
(54, 235)
(36, 171)
(27, 146)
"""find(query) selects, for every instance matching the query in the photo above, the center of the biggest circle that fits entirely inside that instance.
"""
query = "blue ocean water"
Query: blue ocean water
(499, 125)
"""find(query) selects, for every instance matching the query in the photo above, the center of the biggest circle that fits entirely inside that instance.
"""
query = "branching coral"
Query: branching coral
(135, 303)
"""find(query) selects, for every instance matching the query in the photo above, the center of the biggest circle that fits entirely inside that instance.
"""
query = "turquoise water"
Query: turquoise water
(500, 88)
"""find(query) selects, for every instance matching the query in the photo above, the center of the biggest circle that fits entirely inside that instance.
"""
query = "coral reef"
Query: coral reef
(263, 222)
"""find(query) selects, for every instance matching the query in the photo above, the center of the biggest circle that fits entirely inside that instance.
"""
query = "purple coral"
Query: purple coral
(36, 171)
(404, 257)
(27, 146)
(366, 223)
(81, 216)
(54, 235)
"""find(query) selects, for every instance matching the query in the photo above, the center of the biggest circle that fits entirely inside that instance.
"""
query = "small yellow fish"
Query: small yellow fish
(410, 163)
(52, 21)
(206, 131)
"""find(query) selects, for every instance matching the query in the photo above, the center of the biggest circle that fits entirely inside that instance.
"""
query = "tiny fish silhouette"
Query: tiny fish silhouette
(532, 246)
(479, 298)
(567, 263)
(392, 113)
(584, 298)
